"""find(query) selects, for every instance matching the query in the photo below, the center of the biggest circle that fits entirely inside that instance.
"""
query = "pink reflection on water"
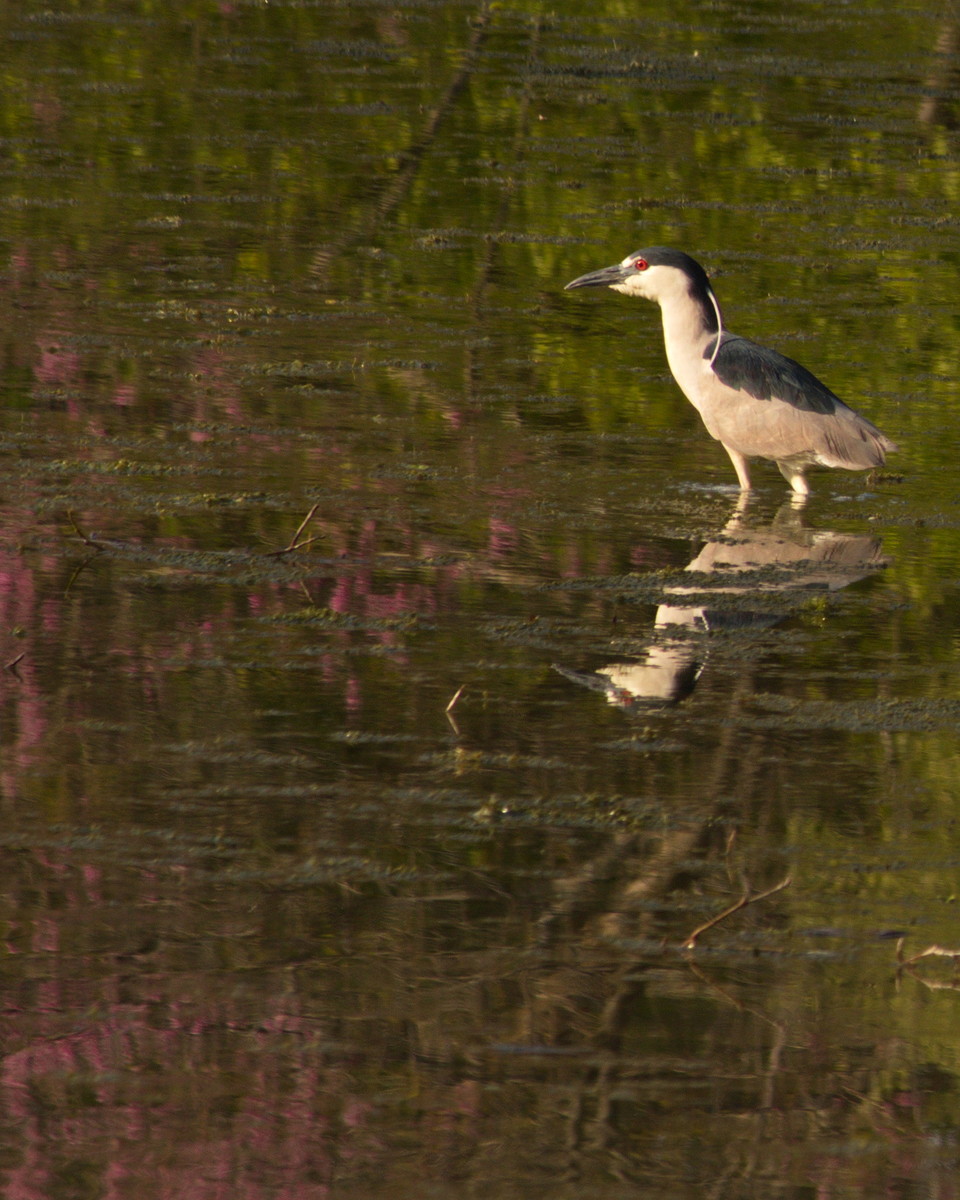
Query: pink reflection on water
(124, 395)
(504, 538)
(55, 365)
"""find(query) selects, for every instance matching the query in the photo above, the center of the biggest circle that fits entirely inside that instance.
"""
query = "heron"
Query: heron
(755, 401)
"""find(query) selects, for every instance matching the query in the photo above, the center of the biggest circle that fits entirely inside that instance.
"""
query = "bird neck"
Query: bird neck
(691, 321)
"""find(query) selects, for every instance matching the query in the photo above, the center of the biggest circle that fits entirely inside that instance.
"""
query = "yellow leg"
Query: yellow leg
(740, 466)
(795, 478)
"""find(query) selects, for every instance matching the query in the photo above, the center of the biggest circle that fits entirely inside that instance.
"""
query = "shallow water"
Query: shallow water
(393, 684)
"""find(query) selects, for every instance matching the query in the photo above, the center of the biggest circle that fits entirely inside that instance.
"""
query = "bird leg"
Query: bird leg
(795, 477)
(740, 466)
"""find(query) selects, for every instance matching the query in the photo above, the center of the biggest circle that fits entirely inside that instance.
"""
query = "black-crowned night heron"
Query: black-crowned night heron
(755, 402)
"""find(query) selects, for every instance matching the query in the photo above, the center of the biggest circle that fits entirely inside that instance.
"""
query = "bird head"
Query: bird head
(656, 273)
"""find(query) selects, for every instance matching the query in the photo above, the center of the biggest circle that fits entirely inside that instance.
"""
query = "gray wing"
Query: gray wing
(767, 375)
(783, 411)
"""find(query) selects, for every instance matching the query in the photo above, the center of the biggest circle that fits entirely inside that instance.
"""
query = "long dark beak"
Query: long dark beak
(605, 277)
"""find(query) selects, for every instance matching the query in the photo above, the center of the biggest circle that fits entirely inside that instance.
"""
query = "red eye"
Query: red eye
(640, 264)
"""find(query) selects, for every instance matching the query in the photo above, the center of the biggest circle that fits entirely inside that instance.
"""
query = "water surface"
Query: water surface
(303, 441)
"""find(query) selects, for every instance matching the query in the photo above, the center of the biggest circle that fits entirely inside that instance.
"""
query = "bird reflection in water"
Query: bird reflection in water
(784, 558)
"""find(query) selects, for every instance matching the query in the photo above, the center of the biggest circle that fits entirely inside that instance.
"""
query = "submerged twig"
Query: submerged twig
(295, 543)
(85, 538)
(934, 951)
(907, 965)
(745, 899)
(11, 666)
(83, 566)
(303, 524)
(448, 711)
